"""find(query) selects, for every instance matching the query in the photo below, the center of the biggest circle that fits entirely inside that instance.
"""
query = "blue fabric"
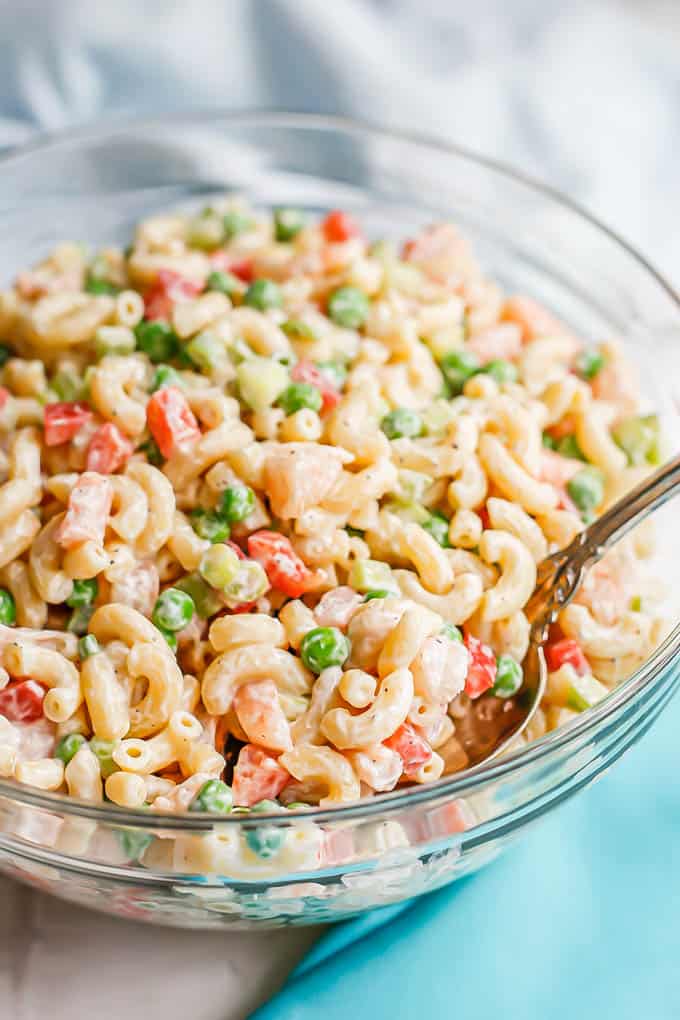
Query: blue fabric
(580, 919)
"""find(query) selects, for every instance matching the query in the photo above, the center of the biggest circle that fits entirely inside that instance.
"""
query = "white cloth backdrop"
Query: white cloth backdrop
(584, 94)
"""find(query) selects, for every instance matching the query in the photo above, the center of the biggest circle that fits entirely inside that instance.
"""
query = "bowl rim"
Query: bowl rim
(468, 780)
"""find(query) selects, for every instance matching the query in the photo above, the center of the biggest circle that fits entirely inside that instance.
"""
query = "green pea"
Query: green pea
(133, 842)
(223, 283)
(288, 223)
(265, 841)
(548, 442)
(300, 395)
(568, 447)
(238, 502)
(170, 637)
(586, 489)
(93, 285)
(210, 524)
(5, 354)
(402, 423)
(84, 593)
(590, 362)
(267, 807)
(437, 525)
(501, 370)
(451, 632)
(87, 646)
(68, 747)
(348, 307)
(79, 620)
(263, 294)
(296, 329)
(509, 677)
(235, 222)
(173, 610)
(205, 600)
(334, 371)
(8, 609)
(103, 750)
(323, 647)
(157, 340)
(214, 796)
(165, 375)
(379, 593)
(457, 367)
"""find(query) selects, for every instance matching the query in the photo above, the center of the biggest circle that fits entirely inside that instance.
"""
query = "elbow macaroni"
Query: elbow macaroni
(296, 477)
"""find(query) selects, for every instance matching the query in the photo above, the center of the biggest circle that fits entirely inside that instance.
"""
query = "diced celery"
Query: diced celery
(261, 381)
(249, 584)
(584, 692)
(446, 340)
(114, 340)
(206, 231)
(415, 512)
(207, 603)
(638, 437)
(68, 385)
(411, 485)
(557, 716)
(370, 575)
(239, 350)
(383, 250)
(403, 276)
(636, 604)
(437, 417)
(208, 353)
(219, 565)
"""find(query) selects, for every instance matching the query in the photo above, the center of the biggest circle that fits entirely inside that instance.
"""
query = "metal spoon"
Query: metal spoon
(492, 723)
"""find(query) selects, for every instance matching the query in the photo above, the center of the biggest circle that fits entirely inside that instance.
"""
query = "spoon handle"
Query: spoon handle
(628, 511)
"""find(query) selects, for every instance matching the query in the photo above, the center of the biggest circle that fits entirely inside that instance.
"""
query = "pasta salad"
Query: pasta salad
(273, 496)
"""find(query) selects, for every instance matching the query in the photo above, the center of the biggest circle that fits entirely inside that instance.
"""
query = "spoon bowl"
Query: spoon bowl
(492, 724)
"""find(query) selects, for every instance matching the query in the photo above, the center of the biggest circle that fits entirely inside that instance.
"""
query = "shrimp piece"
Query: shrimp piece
(297, 476)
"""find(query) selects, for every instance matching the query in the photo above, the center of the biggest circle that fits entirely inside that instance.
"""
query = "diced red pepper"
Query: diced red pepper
(305, 371)
(88, 510)
(109, 449)
(483, 515)
(339, 226)
(22, 701)
(413, 750)
(4, 396)
(226, 263)
(171, 420)
(481, 669)
(64, 420)
(566, 652)
(257, 776)
(170, 288)
(284, 568)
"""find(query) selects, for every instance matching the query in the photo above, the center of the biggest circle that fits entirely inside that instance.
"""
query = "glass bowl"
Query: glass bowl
(191, 871)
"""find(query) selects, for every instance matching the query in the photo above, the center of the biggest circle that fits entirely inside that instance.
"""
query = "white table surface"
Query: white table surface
(62, 962)
(582, 94)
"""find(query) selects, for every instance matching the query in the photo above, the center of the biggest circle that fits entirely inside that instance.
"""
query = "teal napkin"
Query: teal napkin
(580, 919)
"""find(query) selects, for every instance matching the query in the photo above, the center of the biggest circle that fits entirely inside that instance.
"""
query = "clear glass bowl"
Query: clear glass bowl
(94, 185)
